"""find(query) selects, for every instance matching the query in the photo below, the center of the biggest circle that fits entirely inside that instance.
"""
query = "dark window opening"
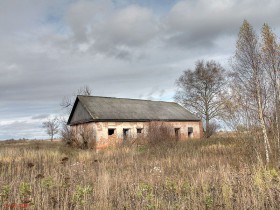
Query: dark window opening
(190, 132)
(177, 133)
(111, 131)
(139, 130)
(125, 133)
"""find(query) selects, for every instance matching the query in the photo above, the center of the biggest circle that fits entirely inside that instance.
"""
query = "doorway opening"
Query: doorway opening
(190, 132)
(177, 134)
(125, 134)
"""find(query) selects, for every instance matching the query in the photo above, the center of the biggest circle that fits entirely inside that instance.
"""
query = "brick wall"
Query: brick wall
(104, 139)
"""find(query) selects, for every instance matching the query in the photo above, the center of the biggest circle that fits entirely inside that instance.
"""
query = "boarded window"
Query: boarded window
(111, 131)
(190, 132)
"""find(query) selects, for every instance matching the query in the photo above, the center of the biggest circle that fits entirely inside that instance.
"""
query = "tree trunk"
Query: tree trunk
(207, 126)
(261, 117)
(277, 111)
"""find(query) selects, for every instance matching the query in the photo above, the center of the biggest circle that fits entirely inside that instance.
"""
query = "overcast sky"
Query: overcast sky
(119, 48)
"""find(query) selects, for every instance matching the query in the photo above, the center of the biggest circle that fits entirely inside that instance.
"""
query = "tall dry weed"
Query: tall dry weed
(196, 174)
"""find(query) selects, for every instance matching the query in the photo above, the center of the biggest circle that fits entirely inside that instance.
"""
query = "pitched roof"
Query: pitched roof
(124, 109)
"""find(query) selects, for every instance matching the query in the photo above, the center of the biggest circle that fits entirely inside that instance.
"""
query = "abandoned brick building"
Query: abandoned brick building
(115, 119)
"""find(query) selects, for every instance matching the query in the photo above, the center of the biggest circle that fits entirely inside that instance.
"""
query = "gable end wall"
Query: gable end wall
(80, 114)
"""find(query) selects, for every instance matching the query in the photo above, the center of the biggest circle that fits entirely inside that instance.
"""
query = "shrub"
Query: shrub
(160, 133)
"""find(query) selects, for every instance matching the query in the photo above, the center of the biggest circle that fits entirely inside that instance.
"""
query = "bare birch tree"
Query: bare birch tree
(271, 63)
(249, 77)
(200, 90)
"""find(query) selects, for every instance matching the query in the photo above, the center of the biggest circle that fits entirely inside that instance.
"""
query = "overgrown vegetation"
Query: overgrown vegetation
(239, 171)
(202, 91)
(248, 96)
(221, 173)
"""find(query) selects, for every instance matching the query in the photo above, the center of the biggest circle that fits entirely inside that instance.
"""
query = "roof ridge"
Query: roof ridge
(128, 98)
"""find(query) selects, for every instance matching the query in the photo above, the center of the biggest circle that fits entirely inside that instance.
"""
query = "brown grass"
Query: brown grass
(201, 174)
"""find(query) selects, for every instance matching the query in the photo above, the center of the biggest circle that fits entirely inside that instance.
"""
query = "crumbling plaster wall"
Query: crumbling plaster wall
(102, 137)
(102, 129)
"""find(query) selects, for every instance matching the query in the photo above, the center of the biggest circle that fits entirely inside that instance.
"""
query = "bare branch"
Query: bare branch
(68, 101)
(200, 90)
(51, 126)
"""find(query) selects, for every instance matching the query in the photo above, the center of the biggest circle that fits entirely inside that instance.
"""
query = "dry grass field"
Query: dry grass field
(201, 174)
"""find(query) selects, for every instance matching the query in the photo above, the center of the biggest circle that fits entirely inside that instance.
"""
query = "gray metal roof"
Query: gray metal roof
(123, 109)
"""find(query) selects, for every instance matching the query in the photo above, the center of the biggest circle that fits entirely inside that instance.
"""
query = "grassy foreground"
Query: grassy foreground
(202, 174)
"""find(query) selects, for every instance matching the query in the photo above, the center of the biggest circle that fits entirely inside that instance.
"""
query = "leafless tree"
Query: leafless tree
(87, 136)
(201, 90)
(66, 132)
(81, 136)
(250, 78)
(51, 126)
(68, 101)
(270, 52)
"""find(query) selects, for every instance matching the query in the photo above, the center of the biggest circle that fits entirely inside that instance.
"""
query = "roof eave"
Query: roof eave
(72, 111)
(134, 120)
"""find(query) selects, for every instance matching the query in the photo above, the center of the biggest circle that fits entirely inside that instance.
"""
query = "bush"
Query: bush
(68, 136)
(160, 133)
(85, 138)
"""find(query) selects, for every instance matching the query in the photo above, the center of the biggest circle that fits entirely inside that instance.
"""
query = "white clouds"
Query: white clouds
(81, 16)
(131, 26)
(199, 23)
(22, 15)
(124, 31)
(109, 31)
(48, 49)
(21, 128)
(102, 28)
